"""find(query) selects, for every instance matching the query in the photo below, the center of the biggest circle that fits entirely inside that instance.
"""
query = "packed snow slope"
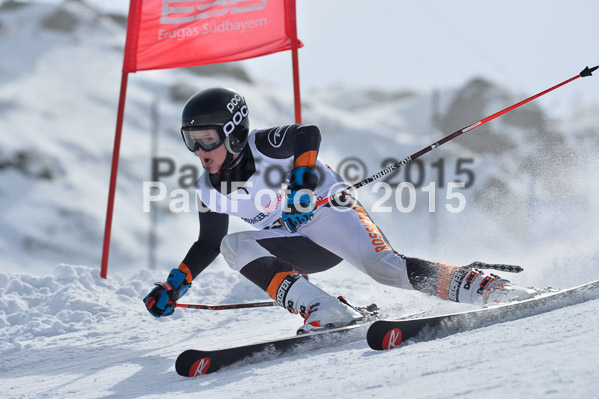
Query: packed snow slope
(532, 199)
(73, 335)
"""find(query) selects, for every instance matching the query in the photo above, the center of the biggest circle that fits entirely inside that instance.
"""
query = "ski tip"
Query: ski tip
(588, 71)
(392, 339)
(189, 364)
(381, 338)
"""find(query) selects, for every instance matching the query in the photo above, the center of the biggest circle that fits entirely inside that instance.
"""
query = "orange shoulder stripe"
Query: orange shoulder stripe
(308, 159)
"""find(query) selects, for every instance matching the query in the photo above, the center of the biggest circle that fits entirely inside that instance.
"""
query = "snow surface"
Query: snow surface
(65, 332)
(73, 335)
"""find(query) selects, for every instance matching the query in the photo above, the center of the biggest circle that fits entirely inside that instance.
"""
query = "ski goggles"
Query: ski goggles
(206, 138)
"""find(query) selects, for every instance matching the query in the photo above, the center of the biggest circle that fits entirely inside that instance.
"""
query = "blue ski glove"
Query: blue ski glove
(299, 208)
(162, 299)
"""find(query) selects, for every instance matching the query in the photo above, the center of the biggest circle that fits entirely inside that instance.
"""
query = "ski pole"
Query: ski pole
(226, 307)
(585, 72)
(495, 266)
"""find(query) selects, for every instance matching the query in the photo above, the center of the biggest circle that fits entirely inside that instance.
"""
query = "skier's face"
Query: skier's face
(213, 160)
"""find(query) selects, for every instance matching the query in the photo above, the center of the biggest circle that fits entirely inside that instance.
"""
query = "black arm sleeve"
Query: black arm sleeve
(213, 227)
(422, 274)
(285, 141)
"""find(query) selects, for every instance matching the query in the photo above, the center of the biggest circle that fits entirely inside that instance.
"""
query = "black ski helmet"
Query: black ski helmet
(222, 109)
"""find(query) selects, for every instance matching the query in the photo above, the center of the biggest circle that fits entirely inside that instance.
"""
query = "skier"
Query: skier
(293, 238)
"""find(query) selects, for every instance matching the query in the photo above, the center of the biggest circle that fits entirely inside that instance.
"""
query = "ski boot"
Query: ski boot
(320, 310)
(472, 286)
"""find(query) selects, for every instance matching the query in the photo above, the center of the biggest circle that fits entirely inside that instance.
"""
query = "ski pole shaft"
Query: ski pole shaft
(495, 266)
(585, 72)
(226, 307)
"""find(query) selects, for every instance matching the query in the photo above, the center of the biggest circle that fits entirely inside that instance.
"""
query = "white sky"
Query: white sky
(526, 45)
(423, 44)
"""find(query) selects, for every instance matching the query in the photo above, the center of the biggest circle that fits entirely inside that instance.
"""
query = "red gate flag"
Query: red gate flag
(182, 33)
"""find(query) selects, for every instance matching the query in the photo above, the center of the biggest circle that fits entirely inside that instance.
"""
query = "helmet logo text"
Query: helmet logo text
(236, 120)
(233, 103)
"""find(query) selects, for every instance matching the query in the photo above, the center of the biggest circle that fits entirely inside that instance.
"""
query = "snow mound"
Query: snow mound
(72, 299)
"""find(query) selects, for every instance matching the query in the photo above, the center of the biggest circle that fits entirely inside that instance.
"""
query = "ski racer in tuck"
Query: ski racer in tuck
(292, 238)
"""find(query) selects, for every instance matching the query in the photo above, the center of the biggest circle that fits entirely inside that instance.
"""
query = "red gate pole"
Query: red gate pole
(295, 65)
(113, 175)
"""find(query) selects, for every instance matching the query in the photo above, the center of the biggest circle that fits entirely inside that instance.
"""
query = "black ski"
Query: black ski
(193, 363)
(389, 334)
